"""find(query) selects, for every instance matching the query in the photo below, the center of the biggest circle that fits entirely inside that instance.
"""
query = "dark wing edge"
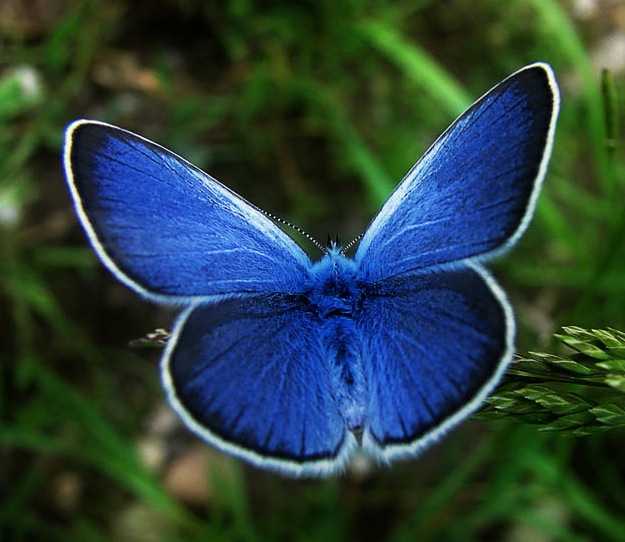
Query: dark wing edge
(542, 168)
(86, 222)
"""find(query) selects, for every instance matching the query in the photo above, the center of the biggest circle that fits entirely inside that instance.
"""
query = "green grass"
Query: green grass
(313, 111)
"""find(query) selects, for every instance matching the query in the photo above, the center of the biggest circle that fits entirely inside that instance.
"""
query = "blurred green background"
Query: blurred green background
(312, 110)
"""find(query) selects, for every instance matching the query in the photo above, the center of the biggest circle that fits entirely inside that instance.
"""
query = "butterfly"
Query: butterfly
(294, 365)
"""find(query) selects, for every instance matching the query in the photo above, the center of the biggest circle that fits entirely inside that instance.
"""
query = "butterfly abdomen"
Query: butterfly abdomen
(343, 354)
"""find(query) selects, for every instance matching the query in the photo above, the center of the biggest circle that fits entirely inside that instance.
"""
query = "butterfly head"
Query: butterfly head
(333, 246)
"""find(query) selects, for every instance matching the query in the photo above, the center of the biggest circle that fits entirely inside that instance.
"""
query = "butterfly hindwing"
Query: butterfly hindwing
(433, 346)
(474, 191)
(249, 376)
(168, 230)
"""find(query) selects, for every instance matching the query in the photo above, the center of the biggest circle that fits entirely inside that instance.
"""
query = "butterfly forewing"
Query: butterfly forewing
(474, 191)
(168, 230)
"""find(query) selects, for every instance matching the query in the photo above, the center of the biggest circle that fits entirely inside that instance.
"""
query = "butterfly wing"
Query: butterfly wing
(474, 191)
(248, 376)
(434, 345)
(168, 230)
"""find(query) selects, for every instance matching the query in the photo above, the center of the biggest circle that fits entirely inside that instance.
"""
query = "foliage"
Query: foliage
(577, 394)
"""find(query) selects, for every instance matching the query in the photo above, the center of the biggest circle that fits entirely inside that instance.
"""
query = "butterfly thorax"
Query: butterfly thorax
(334, 290)
(334, 298)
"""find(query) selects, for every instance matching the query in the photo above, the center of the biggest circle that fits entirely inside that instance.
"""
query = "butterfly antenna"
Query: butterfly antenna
(351, 244)
(292, 226)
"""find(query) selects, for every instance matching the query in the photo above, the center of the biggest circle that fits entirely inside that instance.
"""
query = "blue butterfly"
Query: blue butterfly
(292, 364)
